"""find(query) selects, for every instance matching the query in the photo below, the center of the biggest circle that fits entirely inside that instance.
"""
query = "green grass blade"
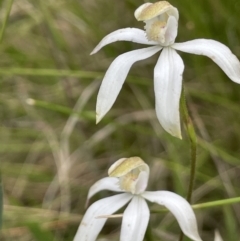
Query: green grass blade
(1, 202)
(38, 233)
(4, 24)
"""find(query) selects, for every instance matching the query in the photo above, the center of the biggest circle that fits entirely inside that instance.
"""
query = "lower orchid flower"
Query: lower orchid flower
(161, 20)
(130, 175)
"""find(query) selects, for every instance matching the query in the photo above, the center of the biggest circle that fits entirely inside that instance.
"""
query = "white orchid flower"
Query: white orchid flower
(161, 27)
(130, 175)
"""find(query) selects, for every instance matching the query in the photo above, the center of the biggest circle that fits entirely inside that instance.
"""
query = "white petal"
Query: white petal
(172, 29)
(167, 87)
(106, 183)
(135, 220)
(217, 236)
(141, 182)
(90, 225)
(180, 208)
(126, 34)
(115, 76)
(216, 51)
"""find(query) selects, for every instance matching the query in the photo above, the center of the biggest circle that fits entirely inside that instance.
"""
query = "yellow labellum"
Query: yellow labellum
(153, 10)
(124, 166)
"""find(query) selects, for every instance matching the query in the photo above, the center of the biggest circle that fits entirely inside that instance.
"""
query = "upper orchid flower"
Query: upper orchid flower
(161, 27)
(130, 175)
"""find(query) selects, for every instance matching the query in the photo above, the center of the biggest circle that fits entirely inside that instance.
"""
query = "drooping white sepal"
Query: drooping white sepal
(115, 77)
(90, 225)
(167, 87)
(216, 51)
(106, 183)
(135, 220)
(126, 34)
(180, 208)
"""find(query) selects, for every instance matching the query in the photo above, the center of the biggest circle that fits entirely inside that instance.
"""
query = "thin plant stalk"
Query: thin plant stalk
(193, 142)
(193, 148)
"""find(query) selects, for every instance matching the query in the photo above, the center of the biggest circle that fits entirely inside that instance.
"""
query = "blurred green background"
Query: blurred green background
(51, 151)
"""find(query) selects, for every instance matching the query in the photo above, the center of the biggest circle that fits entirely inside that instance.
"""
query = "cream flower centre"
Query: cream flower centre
(132, 173)
(161, 20)
(127, 182)
(156, 31)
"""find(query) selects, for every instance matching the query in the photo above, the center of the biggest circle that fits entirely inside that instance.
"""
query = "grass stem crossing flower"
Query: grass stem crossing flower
(130, 176)
(161, 26)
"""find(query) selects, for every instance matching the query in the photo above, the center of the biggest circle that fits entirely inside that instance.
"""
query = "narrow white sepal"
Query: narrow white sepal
(180, 208)
(90, 225)
(106, 183)
(167, 87)
(135, 220)
(216, 51)
(115, 77)
(126, 34)
(217, 236)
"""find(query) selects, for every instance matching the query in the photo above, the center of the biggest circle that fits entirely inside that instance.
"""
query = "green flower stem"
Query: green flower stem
(193, 140)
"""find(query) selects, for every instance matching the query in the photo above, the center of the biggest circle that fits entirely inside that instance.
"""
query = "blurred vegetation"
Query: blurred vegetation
(51, 151)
